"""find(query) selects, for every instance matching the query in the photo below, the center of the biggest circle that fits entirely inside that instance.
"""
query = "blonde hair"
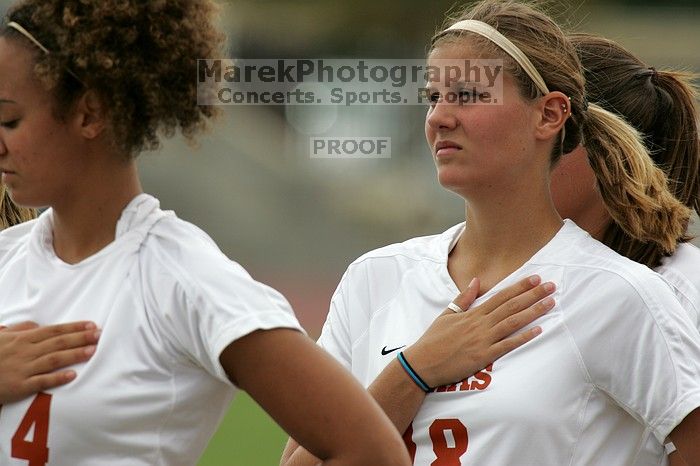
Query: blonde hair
(634, 190)
(10, 213)
(661, 105)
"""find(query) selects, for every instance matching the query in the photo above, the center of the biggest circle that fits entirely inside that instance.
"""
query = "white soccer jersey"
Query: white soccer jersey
(168, 302)
(616, 368)
(682, 271)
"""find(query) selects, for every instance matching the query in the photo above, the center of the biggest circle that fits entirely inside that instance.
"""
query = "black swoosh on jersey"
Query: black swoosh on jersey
(386, 351)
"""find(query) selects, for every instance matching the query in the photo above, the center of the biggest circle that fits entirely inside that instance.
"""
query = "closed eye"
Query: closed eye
(12, 124)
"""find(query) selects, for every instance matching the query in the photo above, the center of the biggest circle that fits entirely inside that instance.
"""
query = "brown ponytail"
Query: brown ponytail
(633, 188)
(674, 137)
(662, 106)
(11, 214)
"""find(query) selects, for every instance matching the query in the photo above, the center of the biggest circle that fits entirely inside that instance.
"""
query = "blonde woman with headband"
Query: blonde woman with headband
(180, 327)
(85, 86)
(616, 369)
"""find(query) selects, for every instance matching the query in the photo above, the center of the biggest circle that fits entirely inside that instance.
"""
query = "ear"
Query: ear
(90, 115)
(555, 109)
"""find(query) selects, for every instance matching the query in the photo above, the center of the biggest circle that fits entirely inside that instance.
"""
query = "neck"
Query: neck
(594, 220)
(501, 234)
(85, 218)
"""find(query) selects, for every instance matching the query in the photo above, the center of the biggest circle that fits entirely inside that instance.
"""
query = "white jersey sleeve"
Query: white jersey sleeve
(682, 271)
(335, 337)
(645, 356)
(201, 300)
(368, 285)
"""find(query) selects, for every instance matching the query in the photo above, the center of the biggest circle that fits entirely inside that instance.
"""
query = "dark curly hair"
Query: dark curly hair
(139, 56)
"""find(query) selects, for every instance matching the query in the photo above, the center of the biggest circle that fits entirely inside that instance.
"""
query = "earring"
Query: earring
(565, 108)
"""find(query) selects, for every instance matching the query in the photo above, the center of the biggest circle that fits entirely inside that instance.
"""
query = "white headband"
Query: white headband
(19, 28)
(28, 35)
(489, 32)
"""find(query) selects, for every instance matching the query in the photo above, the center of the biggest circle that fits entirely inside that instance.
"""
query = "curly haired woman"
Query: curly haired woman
(85, 86)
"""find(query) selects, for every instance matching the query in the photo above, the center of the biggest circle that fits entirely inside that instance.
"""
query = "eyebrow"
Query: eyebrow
(7, 101)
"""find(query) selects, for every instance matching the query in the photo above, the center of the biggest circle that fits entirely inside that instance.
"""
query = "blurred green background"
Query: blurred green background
(296, 222)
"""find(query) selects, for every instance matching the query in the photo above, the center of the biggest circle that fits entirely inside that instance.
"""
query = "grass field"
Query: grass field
(247, 437)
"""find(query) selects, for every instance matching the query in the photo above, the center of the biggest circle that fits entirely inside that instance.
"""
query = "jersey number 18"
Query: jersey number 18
(445, 455)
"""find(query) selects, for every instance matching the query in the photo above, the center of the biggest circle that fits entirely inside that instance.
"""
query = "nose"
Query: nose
(3, 147)
(441, 116)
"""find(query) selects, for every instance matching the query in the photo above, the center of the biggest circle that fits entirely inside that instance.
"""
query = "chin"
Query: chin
(463, 190)
(25, 199)
(456, 181)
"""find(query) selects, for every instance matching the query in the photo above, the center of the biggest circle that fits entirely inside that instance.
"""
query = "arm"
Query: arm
(313, 398)
(675, 459)
(686, 438)
(30, 354)
(454, 347)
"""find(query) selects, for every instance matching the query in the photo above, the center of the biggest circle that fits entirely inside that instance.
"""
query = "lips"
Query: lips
(5, 173)
(446, 147)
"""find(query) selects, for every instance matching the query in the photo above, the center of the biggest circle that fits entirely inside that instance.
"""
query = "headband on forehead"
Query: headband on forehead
(19, 28)
(489, 32)
(28, 35)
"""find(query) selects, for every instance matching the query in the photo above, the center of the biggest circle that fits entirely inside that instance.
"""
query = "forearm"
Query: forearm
(455, 346)
(324, 407)
(397, 394)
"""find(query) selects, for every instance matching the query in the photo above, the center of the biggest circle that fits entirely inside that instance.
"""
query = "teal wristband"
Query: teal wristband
(411, 373)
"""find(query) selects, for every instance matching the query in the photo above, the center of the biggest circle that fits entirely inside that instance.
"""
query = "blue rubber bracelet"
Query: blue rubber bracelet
(411, 373)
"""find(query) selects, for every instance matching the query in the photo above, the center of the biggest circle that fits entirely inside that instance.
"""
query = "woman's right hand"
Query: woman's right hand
(459, 344)
(30, 354)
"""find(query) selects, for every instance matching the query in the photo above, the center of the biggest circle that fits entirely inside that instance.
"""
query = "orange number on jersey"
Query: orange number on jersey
(446, 455)
(35, 451)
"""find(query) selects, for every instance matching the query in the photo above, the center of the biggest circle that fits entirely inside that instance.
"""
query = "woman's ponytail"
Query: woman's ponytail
(634, 189)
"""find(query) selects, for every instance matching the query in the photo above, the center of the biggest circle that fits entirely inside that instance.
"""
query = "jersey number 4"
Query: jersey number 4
(446, 454)
(36, 450)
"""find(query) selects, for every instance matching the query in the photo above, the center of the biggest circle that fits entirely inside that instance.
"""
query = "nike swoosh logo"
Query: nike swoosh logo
(386, 351)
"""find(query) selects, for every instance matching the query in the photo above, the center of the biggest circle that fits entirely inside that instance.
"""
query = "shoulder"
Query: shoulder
(14, 237)
(184, 275)
(412, 252)
(176, 239)
(590, 265)
(377, 276)
(178, 254)
(682, 271)
(17, 232)
(685, 263)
